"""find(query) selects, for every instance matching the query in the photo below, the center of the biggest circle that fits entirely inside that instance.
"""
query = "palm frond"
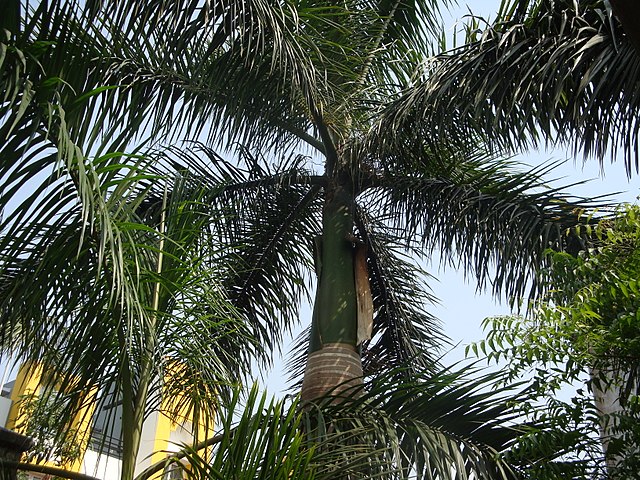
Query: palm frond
(554, 73)
(254, 72)
(442, 425)
(264, 216)
(403, 330)
(484, 216)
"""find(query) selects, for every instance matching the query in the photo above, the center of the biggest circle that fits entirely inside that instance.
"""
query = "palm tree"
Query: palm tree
(109, 274)
(96, 348)
(296, 91)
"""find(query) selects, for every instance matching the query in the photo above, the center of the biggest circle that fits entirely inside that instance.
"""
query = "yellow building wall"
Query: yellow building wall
(31, 377)
(29, 380)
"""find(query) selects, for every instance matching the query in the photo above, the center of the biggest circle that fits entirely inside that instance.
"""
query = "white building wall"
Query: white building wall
(101, 466)
(147, 442)
(5, 406)
(180, 437)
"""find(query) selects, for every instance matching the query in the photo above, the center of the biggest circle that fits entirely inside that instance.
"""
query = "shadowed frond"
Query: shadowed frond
(264, 217)
(547, 72)
(403, 330)
(442, 425)
(485, 216)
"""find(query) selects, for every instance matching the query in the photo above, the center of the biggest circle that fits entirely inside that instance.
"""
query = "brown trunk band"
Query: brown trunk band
(334, 369)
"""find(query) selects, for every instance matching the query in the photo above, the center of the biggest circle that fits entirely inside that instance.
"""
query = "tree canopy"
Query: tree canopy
(200, 165)
(585, 333)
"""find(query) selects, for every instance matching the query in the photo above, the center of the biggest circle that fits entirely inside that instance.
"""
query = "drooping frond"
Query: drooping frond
(443, 424)
(264, 217)
(547, 72)
(403, 330)
(482, 215)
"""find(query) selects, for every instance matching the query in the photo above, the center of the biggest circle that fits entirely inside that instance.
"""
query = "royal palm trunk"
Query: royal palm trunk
(334, 364)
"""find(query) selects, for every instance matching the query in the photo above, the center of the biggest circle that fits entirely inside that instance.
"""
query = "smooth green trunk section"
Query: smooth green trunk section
(130, 442)
(135, 401)
(335, 310)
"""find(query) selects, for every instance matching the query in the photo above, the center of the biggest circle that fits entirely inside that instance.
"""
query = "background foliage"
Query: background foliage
(585, 335)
